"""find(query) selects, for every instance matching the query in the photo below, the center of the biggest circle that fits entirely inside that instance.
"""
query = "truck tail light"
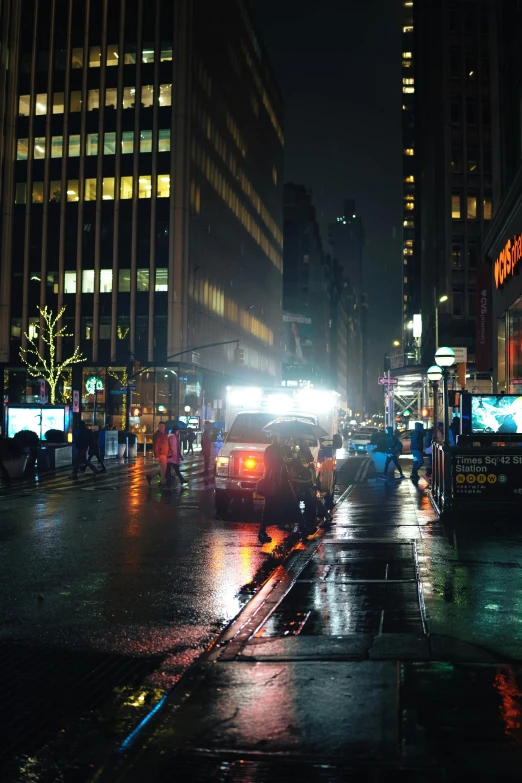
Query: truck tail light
(249, 463)
(222, 466)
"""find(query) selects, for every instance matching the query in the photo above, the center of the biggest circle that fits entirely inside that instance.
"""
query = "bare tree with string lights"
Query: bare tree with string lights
(47, 367)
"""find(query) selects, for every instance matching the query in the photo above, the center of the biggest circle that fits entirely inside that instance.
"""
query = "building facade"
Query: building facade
(448, 103)
(499, 302)
(315, 304)
(142, 191)
(347, 239)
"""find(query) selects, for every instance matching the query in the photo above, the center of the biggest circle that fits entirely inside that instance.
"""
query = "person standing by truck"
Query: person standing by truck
(206, 447)
(281, 505)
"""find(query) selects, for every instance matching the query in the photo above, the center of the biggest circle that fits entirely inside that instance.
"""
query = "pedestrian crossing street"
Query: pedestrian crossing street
(119, 474)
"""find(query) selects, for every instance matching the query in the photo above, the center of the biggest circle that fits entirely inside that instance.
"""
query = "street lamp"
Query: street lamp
(441, 299)
(445, 358)
(396, 343)
(434, 374)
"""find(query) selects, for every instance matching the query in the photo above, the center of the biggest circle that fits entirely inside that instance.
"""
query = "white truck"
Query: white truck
(240, 465)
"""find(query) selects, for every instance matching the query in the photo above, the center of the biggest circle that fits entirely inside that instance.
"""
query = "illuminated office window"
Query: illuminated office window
(109, 143)
(69, 283)
(94, 57)
(55, 190)
(164, 140)
(147, 95)
(163, 185)
(408, 81)
(145, 141)
(39, 147)
(162, 280)
(112, 54)
(92, 144)
(37, 192)
(486, 209)
(93, 100)
(130, 54)
(88, 281)
(77, 57)
(56, 146)
(108, 189)
(127, 142)
(22, 149)
(41, 103)
(410, 205)
(111, 98)
(20, 193)
(472, 207)
(74, 146)
(145, 187)
(73, 190)
(58, 103)
(24, 105)
(147, 53)
(409, 151)
(126, 187)
(76, 101)
(105, 281)
(165, 97)
(124, 280)
(455, 206)
(411, 178)
(90, 189)
(129, 97)
(142, 280)
(408, 90)
(166, 52)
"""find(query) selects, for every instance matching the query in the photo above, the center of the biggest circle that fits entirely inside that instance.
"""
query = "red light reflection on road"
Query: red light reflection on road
(510, 708)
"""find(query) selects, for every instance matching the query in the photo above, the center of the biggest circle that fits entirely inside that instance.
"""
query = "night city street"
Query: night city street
(128, 585)
(260, 391)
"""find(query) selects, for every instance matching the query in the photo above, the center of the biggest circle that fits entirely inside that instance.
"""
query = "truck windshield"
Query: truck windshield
(248, 428)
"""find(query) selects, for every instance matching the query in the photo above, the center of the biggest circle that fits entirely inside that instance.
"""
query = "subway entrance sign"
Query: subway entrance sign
(489, 477)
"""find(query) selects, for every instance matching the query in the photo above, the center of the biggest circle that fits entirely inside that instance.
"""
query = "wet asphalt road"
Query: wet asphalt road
(144, 580)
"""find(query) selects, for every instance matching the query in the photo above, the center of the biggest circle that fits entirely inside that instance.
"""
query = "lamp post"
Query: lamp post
(434, 374)
(441, 299)
(445, 358)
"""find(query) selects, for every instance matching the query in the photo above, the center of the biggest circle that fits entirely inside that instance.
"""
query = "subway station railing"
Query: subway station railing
(481, 477)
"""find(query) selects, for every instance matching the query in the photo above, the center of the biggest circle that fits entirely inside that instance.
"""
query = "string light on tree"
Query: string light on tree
(40, 366)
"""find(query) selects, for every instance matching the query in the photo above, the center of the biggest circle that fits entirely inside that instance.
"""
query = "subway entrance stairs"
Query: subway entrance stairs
(333, 672)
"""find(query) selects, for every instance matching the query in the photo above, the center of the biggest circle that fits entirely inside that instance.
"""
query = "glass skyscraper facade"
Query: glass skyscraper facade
(141, 189)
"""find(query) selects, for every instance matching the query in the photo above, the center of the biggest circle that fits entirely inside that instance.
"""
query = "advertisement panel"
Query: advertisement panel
(496, 413)
(488, 477)
(299, 339)
(483, 358)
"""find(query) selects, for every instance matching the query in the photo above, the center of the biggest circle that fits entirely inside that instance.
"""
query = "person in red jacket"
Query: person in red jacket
(160, 445)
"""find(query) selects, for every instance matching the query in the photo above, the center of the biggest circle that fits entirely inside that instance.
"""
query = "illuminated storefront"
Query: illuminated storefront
(503, 301)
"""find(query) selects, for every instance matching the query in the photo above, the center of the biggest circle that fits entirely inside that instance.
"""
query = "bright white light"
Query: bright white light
(445, 357)
(71, 193)
(315, 400)
(248, 395)
(279, 403)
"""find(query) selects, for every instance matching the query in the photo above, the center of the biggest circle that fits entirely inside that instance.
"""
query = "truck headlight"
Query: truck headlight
(222, 466)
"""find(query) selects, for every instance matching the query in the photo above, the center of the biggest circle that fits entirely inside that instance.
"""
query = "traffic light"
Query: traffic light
(406, 412)
(239, 355)
(424, 412)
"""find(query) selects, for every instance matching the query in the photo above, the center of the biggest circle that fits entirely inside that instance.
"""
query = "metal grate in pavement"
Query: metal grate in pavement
(43, 689)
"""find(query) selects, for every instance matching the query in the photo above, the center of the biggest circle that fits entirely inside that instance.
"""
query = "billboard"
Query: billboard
(299, 339)
(496, 413)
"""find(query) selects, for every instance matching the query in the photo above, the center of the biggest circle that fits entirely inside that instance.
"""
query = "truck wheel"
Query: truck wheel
(222, 502)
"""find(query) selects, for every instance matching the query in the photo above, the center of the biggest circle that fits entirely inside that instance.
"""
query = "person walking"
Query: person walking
(174, 457)
(281, 504)
(191, 437)
(393, 448)
(428, 450)
(160, 446)
(206, 449)
(82, 442)
(417, 449)
(94, 450)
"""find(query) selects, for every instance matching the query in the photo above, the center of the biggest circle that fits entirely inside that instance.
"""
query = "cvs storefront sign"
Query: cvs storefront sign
(507, 260)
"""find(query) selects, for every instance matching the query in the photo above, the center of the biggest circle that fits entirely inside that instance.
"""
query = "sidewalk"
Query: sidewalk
(330, 673)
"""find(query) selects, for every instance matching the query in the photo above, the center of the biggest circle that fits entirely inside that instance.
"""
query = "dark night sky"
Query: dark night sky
(338, 66)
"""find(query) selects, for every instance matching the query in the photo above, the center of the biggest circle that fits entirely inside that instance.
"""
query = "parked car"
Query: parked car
(360, 440)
